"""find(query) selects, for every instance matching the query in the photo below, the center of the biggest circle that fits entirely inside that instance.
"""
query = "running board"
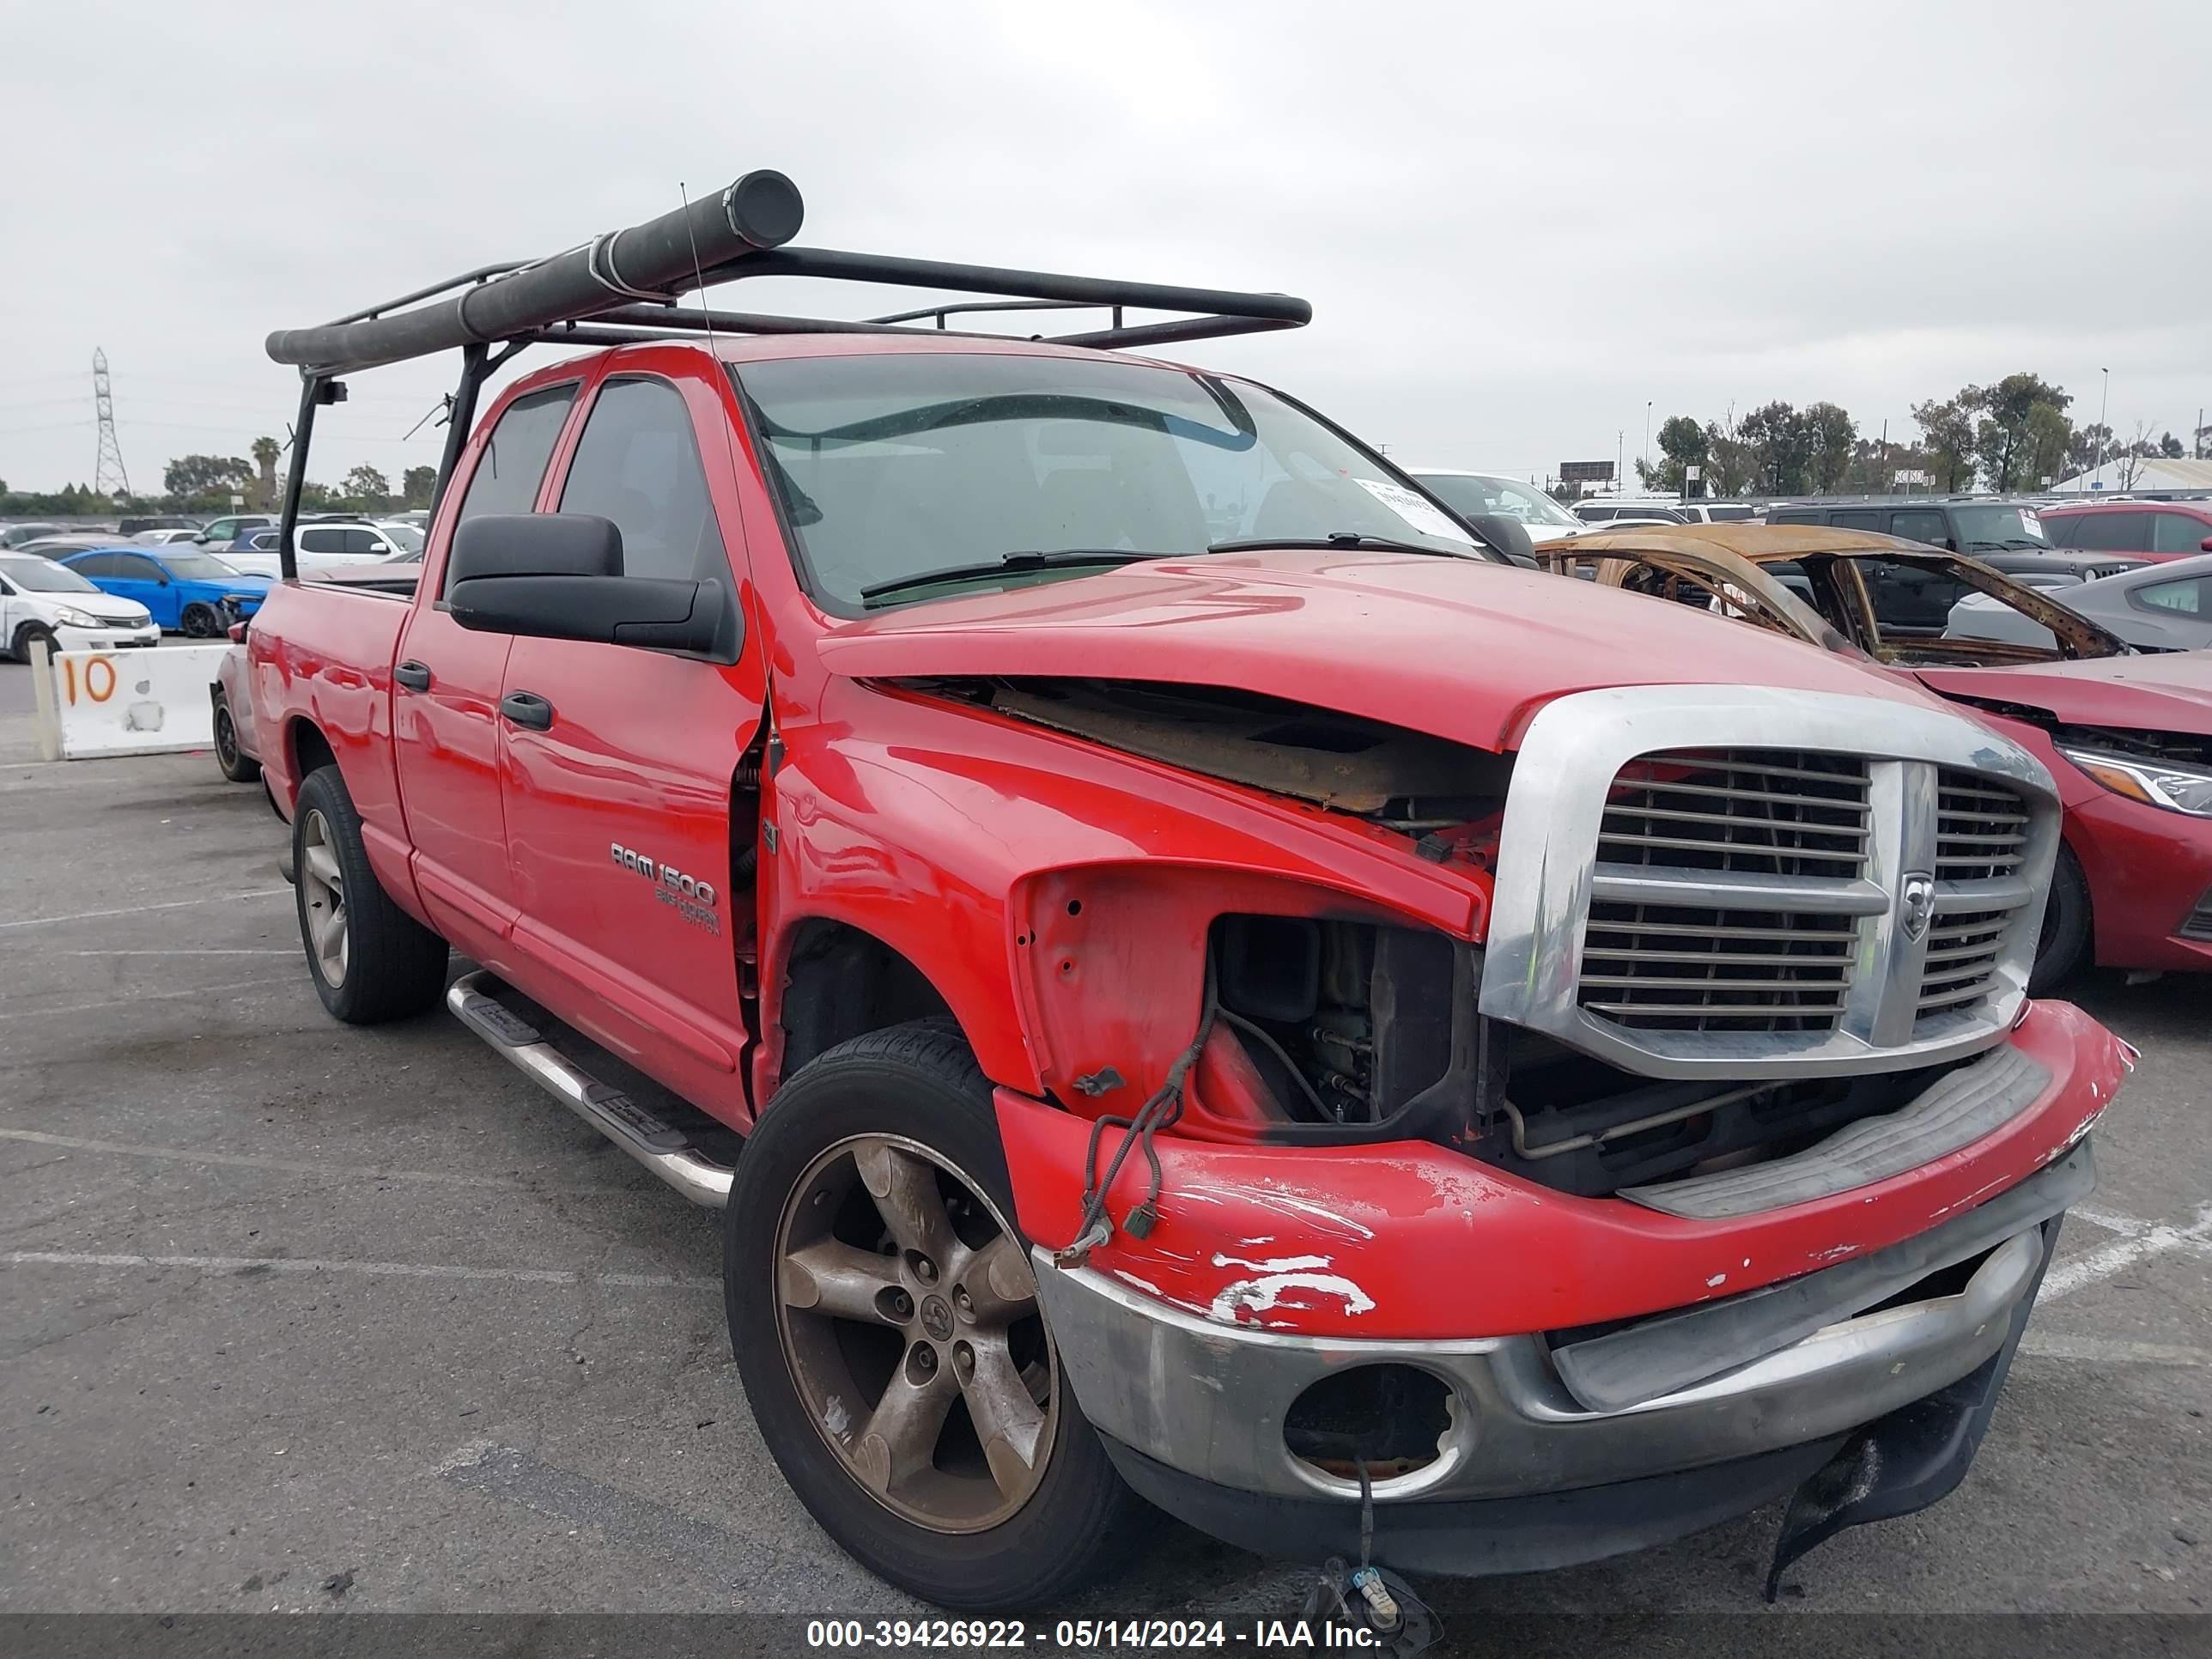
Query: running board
(665, 1151)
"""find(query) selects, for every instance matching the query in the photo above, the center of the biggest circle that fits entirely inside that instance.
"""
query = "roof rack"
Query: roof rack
(623, 287)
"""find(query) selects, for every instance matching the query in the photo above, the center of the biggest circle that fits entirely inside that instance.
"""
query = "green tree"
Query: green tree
(2003, 441)
(366, 485)
(266, 453)
(418, 485)
(1830, 432)
(2089, 444)
(1729, 461)
(195, 477)
(1682, 445)
(2170, 446)
(1780, 440)
(1947, 430)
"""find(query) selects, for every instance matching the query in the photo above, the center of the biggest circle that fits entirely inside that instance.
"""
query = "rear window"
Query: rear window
(2178, 532)
(1731, 515)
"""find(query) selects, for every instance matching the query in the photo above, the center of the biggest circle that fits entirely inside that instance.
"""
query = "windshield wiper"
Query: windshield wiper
(1335, 538)
(1005, 563)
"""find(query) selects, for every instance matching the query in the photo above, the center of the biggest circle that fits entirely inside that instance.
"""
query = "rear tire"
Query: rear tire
(237, 765)
(2062, 948)
(912, 1495)
(370, 961)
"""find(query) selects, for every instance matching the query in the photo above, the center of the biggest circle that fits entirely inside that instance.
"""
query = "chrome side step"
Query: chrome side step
(665, 1151)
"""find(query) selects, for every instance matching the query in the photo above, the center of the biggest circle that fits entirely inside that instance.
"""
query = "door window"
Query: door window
(364, 541)
(322, 541)
(2177, 532)
(514, 460)
(2191, 596)
(1918, 523)
(637, 464)
(1855, 520)
(136, 568)
(98, 564)
(2110, 532)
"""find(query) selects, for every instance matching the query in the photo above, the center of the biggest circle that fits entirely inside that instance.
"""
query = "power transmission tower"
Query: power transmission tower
(108, 477)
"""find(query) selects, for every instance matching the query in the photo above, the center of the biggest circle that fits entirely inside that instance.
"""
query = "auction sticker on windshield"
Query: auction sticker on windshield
(1413, 508)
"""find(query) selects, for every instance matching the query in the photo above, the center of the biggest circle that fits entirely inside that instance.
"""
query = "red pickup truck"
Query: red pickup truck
(1234, 994)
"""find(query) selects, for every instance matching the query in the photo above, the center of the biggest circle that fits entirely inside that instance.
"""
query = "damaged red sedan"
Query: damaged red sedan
(1235, 997)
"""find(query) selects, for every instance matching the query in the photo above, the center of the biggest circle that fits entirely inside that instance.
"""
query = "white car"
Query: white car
(164, 537)
(1476, 495)
(324, 546)
(40, 599)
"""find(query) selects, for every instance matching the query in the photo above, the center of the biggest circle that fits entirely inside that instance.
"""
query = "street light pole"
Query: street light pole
(1646, 463)
(2104, 428)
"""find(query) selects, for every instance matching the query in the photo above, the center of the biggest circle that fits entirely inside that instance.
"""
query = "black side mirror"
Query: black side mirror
(559, 576)
(1508, 536)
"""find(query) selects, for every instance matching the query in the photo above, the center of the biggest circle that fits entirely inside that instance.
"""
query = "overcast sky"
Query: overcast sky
(1517, 224)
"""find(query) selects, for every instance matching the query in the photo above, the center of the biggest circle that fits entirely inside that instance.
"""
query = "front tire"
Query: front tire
(369, 959)
(884, 1313)
(237, 765)
(200, 621)
(29, 634)
(2062, 950)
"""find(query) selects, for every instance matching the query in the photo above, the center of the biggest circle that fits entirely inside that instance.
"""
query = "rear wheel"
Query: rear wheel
(2062, 948)
(237, 765)
(369, 959)
(200, 621)
(884, 1316)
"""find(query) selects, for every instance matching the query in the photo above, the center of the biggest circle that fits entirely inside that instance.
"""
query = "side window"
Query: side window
(363, 540)
(136, 568)
(2063, 528)
(2177, 532)
(2110, 532)
(514, 461)
(1918, 523)
(97, 564)
(2191, 596)
(322, 541)
(638, 465)
(1855, 520)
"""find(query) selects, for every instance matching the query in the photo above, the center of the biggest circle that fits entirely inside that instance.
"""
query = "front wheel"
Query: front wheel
(200, 622)
(369, 959)
(884, 1316)
(2062, 950)
(28, 635)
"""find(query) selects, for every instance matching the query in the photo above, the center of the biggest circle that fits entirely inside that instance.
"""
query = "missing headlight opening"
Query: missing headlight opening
(1357, 1031)
(1392, 1417)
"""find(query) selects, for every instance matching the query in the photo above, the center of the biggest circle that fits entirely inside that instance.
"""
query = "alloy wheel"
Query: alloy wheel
(322, 889)
(909, 1318)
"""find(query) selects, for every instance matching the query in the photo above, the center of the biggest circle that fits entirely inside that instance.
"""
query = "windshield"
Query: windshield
(196, 567)
(1999, 526)
(892, 466)
(39, 576)
(404, 537)
(1473, 493)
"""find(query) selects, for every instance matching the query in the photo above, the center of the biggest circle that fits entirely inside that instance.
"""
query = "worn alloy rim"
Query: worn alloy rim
(200, 623)
(322, 891)
(226, 739)
(908, 1314)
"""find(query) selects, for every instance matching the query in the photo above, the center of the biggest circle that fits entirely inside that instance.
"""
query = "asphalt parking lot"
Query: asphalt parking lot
(294, 1316)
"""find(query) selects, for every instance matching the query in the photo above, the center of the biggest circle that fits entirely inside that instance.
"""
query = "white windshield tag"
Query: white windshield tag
(2032, 525)
(1413, 509)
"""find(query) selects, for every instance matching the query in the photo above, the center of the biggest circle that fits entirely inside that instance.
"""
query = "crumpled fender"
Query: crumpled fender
(1409, 1240)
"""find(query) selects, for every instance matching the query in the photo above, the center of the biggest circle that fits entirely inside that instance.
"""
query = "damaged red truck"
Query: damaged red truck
(1233, 995)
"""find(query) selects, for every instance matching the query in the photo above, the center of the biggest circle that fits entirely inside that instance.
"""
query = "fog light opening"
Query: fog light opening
(1395, 1417)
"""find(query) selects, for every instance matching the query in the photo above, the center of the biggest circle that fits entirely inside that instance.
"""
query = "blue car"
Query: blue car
(189, 592)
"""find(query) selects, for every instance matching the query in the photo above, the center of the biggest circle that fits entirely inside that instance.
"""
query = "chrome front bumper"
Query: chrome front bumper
(1209, 1400)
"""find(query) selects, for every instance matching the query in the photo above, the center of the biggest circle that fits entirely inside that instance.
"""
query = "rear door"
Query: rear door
(620, 763)
(445, 700)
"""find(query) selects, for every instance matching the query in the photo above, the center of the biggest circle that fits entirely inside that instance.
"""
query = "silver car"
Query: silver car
(2155, 607)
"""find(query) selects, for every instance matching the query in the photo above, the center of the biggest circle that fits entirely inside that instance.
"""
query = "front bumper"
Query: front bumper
(116, 637)
(2150, 883)
(1211, 1401)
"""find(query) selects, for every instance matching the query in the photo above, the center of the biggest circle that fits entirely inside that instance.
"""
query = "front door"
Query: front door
(445, 703)
(134, 576)
(620, 763)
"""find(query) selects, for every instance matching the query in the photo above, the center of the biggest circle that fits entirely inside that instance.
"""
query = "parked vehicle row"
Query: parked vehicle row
(41, 600)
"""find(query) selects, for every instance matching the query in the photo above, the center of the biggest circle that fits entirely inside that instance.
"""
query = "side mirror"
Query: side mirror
(1508, 536)
(2205, 546)
(558, 576)
(1950, 545)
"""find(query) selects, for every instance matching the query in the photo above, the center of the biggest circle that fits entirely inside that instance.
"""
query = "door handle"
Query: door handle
(412, 675)
(528, 709)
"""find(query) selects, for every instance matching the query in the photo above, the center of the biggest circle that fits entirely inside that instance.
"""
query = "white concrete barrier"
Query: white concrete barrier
(147, 701)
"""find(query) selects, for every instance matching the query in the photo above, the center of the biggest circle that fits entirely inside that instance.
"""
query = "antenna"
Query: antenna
(108, 477)
(706, 316)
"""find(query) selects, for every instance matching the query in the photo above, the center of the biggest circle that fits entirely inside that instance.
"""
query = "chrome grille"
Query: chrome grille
(1981, 826)
(1962, 959)
(1767, 812)
(1682, 968)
